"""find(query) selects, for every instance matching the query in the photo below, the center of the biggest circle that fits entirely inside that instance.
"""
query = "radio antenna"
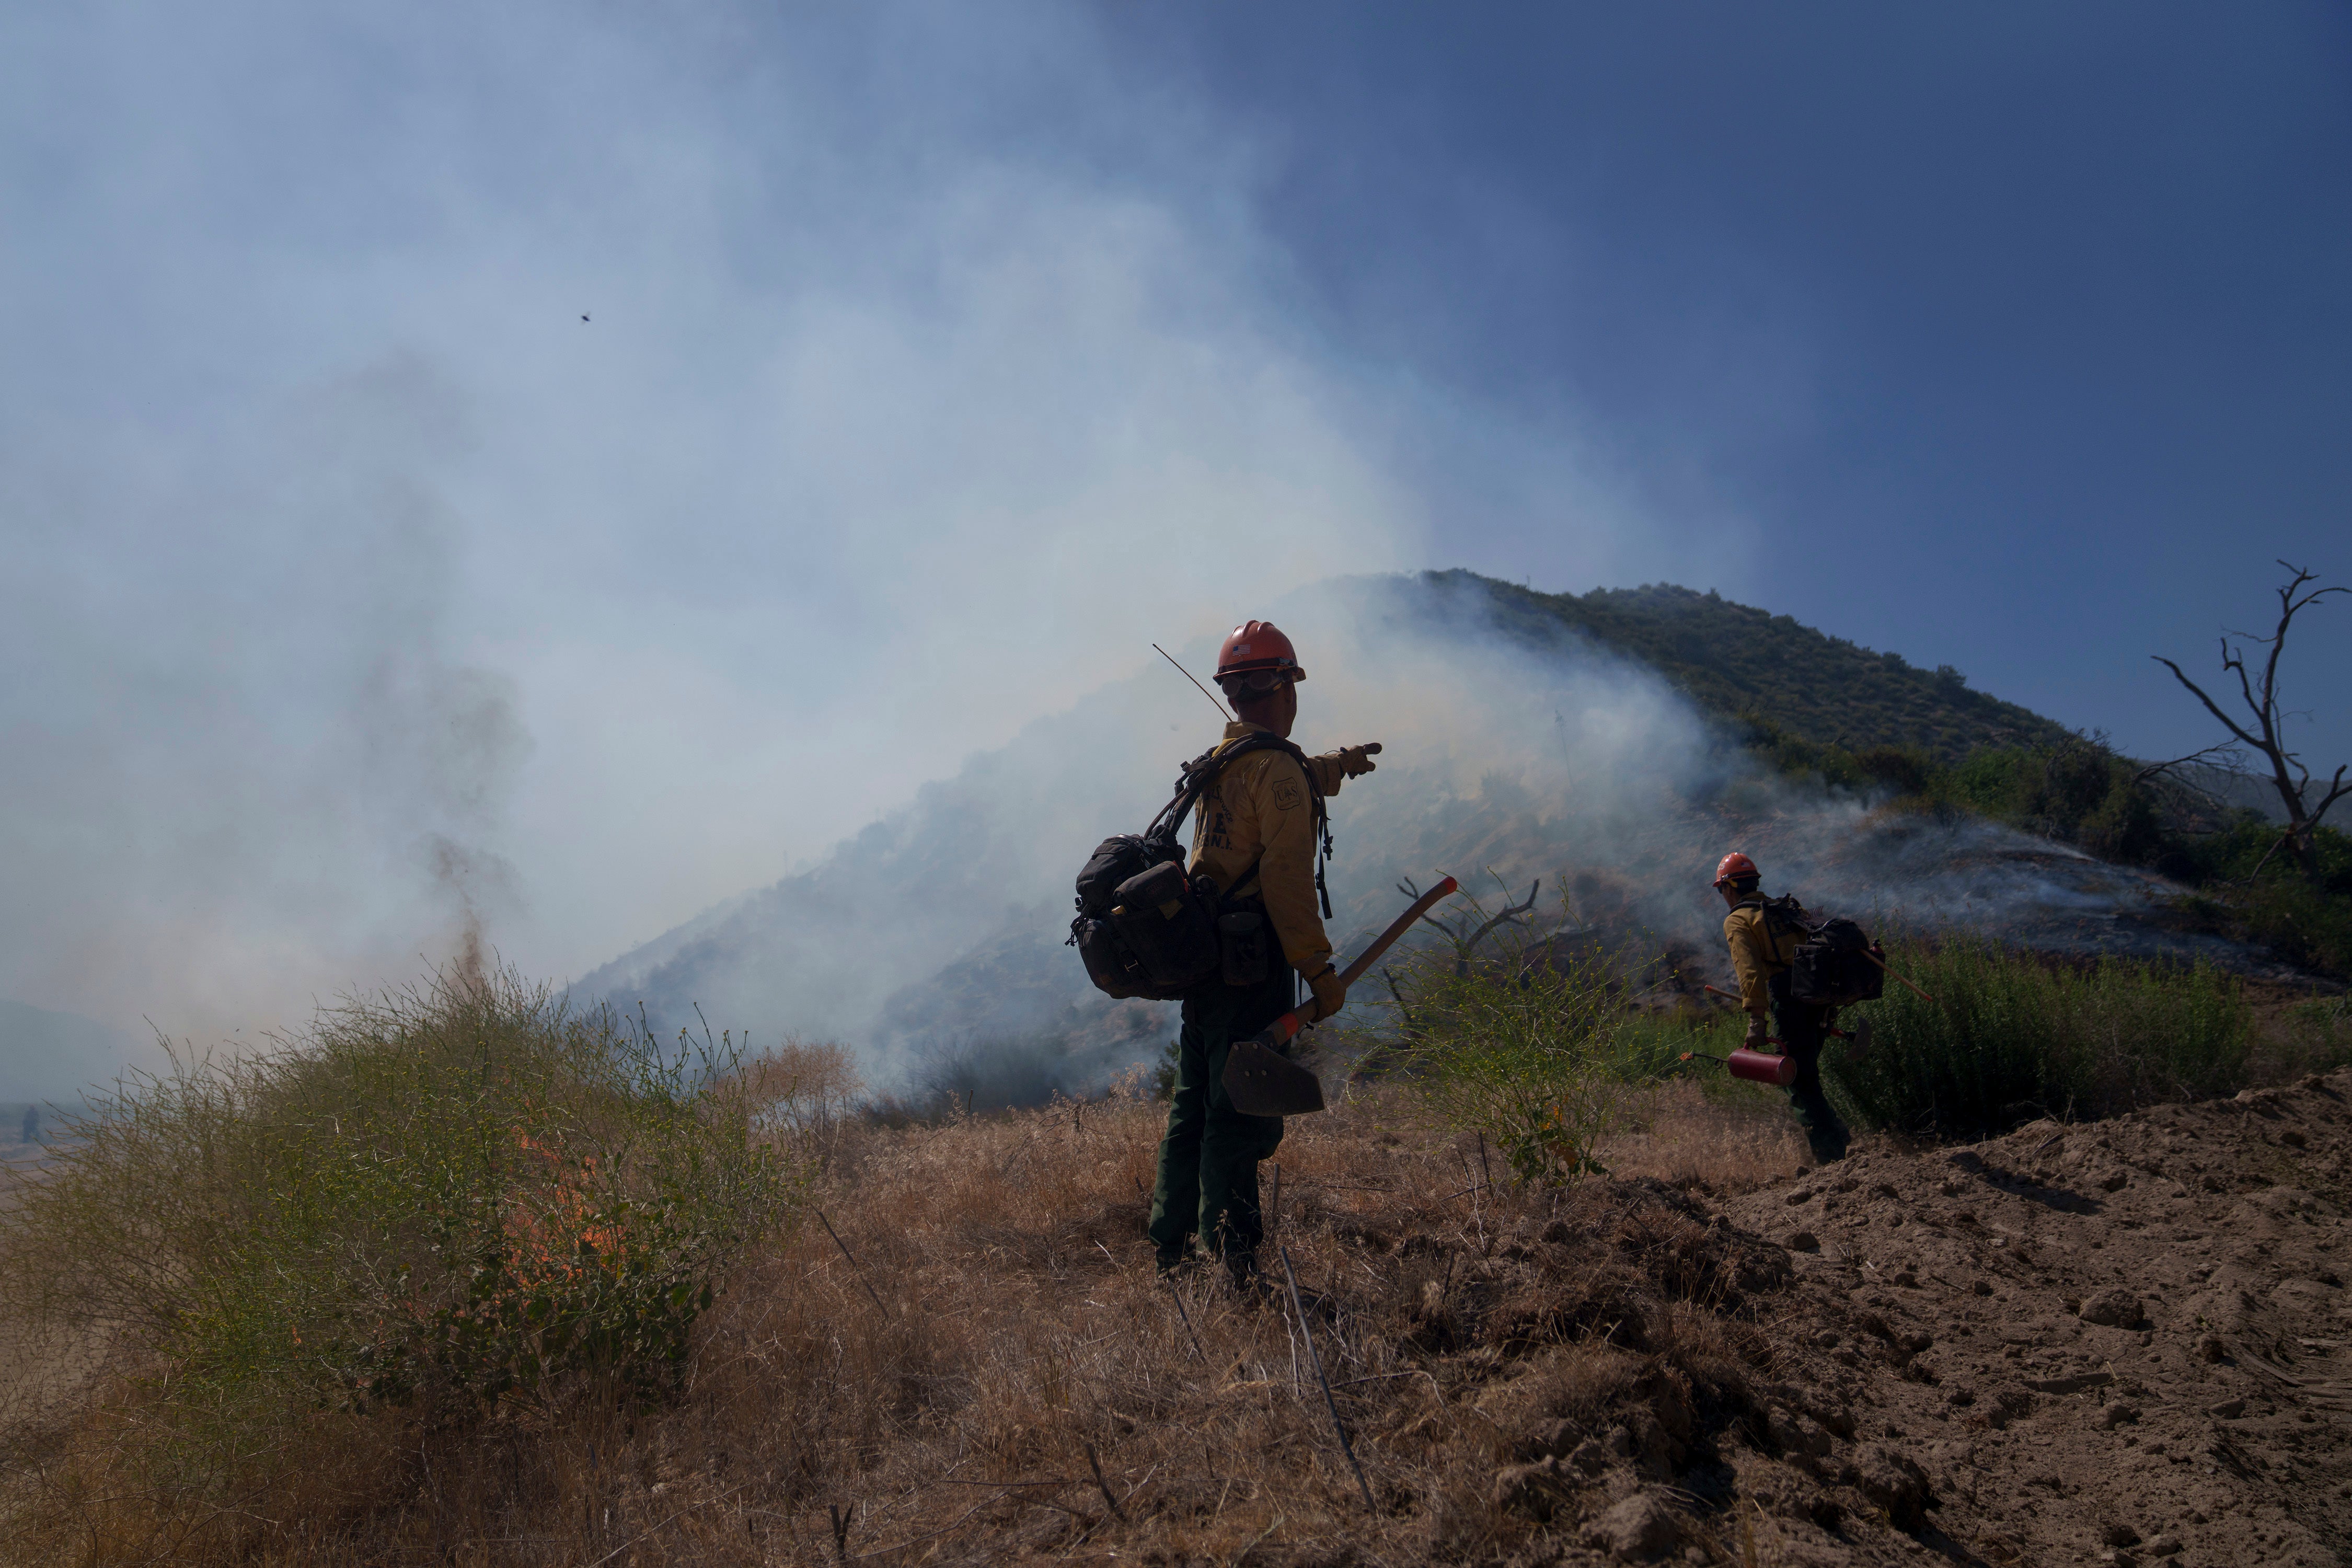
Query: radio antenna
(1221, 711)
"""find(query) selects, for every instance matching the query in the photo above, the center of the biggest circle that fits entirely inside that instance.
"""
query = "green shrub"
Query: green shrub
(2319, 1034)
(2009, 1038)
(466, 1191)
(2247, 891)
(1525, 1053)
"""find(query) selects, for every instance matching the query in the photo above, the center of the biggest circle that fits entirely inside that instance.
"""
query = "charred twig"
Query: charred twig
(1186, 1319)
(853, 1262)
(840, 1533)
(1511, 912)
(1464, 938)
(1095, 1464)
(1403, 1011)
(1290, 1277)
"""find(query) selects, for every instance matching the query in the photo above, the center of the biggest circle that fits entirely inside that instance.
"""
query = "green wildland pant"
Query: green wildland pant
(1209, 1156)
(1803, 1031)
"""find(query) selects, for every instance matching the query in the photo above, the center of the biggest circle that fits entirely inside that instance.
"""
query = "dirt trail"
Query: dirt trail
(2128, 1340)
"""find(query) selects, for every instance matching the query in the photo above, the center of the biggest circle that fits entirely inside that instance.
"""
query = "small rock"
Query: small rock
(1636, 1530)
(2111, 1416)
(2165, 1545)
(2228, 1410)
(2292, 1138)
(2116, 1533)
(1800, 1195)
(1827, 1339)
(1802, 1241)
(1982, 1288)
(2111, 1310)
(2210, 1348)
(2113, 1181)
(1557, 1232)
(1590, 1457)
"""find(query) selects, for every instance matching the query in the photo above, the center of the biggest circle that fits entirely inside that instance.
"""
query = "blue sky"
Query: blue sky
(2020, 336)
(941, 357)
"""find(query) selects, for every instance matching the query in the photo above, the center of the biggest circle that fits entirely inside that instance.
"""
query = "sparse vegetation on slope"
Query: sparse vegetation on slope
(451, 1205)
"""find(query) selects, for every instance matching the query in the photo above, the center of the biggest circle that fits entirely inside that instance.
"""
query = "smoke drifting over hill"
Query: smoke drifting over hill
(931, 941)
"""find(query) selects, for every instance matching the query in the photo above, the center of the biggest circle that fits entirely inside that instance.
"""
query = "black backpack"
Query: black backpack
(1832, 966)
(1143, 927)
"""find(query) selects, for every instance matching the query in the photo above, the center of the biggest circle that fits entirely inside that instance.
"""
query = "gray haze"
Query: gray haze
(358, 587)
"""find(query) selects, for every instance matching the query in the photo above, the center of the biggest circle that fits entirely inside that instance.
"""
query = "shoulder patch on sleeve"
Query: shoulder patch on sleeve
(1287, 794)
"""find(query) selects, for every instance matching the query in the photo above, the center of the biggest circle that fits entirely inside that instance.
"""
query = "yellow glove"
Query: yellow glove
(1356, 761)
(1331, 995)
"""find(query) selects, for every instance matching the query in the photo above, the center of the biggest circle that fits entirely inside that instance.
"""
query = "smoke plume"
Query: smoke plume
(932, 942)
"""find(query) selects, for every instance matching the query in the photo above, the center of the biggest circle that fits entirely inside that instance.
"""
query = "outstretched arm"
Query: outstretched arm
(1334, 768)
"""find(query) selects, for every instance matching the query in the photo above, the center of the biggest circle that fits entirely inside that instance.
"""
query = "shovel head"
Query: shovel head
(1264, 1082)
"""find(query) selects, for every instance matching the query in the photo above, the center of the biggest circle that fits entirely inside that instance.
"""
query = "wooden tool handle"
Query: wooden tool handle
(1279, 1033)
(1403, 924)
(1892, 975)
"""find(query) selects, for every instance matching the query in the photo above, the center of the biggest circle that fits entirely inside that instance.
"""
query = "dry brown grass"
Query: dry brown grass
(1023, 1338)
(1676, 1134)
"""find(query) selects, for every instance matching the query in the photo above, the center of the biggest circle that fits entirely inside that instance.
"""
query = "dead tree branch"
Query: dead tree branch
(2263, 727)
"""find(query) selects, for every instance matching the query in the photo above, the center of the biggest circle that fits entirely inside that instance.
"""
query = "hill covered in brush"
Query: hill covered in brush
(1742, 663)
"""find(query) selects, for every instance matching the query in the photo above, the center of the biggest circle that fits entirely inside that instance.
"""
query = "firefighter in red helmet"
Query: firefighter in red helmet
(1762, 949)
(1257, 837)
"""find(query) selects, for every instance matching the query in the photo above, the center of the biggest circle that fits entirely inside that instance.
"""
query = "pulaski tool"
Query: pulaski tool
(1260, 1079)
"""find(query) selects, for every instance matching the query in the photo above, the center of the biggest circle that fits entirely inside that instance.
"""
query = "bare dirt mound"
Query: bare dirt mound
(2128, 1340)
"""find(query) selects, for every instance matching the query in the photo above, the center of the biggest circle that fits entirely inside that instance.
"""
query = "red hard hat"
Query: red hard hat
(1258, 645)
(1735, 866)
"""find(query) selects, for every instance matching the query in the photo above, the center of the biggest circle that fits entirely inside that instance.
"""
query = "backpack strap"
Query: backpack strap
(1204, 770)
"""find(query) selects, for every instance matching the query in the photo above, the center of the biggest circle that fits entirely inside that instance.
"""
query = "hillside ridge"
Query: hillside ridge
(1740, 662)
